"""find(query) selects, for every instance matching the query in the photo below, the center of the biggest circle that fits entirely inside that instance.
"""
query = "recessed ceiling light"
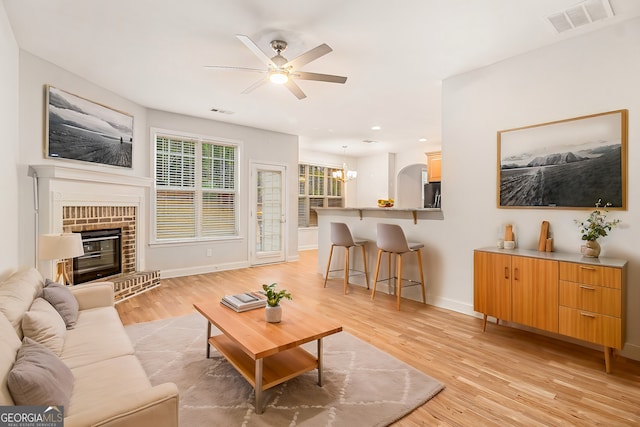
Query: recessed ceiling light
(423, 140)
(375, 127)
(369, 141)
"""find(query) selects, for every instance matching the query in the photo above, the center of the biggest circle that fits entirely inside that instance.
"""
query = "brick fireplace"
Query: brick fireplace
(91, 218)
(75, 199)
(85, 218)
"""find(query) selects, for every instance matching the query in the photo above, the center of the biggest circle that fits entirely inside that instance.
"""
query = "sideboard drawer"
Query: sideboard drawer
(591, 275)
(591, 327)
(596, 299)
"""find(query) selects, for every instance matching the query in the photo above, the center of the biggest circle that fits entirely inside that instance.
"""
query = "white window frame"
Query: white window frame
(199, 139)
(328, 179)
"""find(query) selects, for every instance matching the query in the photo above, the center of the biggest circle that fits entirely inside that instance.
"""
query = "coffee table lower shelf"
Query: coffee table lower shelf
(277, 368)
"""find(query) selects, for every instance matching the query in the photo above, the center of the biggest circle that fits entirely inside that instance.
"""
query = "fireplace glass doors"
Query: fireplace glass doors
(102, 255)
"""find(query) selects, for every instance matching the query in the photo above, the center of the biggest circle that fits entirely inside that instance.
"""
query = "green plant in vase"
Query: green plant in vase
(273, 312)
(594, 227)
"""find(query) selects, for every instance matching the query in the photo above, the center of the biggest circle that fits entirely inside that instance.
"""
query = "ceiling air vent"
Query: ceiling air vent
(221, 111)
(581, 14)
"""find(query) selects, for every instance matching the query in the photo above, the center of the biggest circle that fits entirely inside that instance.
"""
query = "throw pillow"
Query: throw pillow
(39, 377)
(63, 301)
(43, 324)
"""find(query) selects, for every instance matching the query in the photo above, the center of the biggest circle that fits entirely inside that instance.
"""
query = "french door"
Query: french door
(267, 216)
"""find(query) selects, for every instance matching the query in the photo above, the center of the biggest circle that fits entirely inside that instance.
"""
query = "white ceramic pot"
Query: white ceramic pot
(273, 314)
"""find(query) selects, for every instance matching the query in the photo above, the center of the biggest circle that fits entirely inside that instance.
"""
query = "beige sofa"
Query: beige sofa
(110, 387)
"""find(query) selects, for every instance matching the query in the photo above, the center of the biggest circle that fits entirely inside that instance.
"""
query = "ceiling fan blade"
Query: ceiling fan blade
(295, 89)
(308, 56)
(256, 85)
(223, 67)
(256, 50)
(303, 75)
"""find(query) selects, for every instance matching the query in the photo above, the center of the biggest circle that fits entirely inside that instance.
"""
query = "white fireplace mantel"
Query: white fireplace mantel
(57, 186)
(77, 174)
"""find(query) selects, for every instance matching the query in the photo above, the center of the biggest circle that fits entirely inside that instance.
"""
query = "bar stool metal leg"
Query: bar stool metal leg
(364, 260)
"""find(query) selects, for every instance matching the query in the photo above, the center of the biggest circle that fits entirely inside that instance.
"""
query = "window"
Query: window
(316, 189)
(196, 194)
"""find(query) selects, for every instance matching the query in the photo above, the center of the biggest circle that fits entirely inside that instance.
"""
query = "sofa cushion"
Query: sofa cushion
(43, 324)
(98, 335)
(39, 377)
(96, 384)
(9, 345)
(61, 298)
(17, 293)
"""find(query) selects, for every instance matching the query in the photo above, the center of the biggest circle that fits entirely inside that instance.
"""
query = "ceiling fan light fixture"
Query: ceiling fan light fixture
(278, 77)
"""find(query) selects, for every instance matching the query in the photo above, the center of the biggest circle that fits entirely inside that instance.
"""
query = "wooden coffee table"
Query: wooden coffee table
(267, 354)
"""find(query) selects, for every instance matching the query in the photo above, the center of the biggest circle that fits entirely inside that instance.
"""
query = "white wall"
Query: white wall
(376, 177)
(35, 73)
(9, 55)
(594, 73)
(257, 145)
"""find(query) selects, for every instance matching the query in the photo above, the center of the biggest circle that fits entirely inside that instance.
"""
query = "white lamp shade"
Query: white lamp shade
(60, 246)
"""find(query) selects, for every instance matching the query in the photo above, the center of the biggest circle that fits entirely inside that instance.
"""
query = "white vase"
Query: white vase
(273, 314)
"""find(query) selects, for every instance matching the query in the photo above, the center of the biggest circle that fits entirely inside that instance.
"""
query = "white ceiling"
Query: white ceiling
(395, 55)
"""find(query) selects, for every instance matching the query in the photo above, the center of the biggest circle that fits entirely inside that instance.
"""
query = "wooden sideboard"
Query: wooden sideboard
(567, 294)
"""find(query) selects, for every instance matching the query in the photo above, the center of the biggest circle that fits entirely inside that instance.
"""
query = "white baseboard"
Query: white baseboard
(203, 269)
(454, 305)
(631, 351)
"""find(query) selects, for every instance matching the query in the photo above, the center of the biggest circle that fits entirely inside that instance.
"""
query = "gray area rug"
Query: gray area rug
(362, 386)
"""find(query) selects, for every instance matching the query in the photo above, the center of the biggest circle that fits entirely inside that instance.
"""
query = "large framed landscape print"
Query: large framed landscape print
(79, 129)
(569, 163)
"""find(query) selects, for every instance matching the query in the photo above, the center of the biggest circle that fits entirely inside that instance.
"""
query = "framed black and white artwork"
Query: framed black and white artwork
(569, 163)
(79, 129)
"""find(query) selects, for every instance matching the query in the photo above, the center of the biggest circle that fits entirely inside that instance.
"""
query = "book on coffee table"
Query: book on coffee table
(245, 301)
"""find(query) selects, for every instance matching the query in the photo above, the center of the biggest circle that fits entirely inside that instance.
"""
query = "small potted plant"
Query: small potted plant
(273, 311)
(594, 227)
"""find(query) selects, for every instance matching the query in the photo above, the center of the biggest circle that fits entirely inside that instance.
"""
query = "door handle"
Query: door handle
(506, 272)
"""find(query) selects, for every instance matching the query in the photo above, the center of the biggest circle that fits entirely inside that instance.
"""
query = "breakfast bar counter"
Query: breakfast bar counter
(363, 223)
(413, 213)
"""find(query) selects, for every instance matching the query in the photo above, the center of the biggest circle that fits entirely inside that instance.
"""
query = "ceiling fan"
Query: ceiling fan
(282, 71)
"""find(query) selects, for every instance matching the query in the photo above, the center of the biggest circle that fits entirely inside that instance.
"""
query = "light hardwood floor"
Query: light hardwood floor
(502, 377)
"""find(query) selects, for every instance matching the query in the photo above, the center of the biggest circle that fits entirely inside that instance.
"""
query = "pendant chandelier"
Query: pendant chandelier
(344, 174)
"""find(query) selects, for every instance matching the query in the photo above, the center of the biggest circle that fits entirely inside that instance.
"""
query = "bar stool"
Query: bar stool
(341, 236)
(391, 239)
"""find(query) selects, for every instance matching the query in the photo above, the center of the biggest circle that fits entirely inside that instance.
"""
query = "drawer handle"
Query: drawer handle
(506, 272)
(588, 288)
(587, 268)
(587, 315)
